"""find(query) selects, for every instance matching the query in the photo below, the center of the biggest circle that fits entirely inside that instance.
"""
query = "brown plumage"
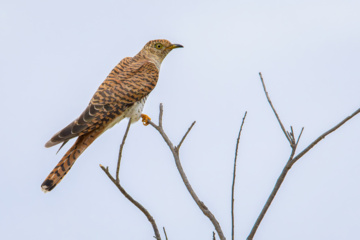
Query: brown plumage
(122, 94)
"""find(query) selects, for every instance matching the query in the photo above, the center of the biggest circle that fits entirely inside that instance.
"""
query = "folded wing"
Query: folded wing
(128, 82)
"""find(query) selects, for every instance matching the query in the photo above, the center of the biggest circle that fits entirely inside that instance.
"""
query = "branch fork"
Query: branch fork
(116, 181)
(175, 151)
(290, 136)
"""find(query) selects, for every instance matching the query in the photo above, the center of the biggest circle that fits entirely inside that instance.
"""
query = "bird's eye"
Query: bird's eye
(158, 46)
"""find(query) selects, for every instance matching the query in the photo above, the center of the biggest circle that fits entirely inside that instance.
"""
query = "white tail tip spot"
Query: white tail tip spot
(44, 189)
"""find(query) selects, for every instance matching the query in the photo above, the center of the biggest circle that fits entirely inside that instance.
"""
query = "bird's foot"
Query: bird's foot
(145, 119)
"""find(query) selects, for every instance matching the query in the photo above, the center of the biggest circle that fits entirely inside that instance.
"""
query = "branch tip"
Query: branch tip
(161, 115)
(234, 176)
(166, 237)
(177, 148)
(273, 108)
(298, 139)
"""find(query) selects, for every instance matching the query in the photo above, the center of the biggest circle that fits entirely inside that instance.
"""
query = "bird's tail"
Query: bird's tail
(65, 164)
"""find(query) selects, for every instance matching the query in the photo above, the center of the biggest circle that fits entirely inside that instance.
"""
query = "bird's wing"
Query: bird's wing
(127, 83)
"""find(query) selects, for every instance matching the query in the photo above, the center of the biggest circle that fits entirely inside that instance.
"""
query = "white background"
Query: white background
(54, 55)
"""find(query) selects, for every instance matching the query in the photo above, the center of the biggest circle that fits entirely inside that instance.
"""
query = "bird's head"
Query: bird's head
(158, 49)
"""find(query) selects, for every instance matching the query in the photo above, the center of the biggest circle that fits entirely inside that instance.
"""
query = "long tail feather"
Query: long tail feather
(65, 164)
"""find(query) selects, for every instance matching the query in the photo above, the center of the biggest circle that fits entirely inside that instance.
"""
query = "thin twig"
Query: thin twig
(234, 176)
(182, 140)
(161, 115)
(122, 190)
(200, 204)
(297, 142)
(291, 161)
(324, 135)
(272, 107)
(121, 149)
(165, 233)
(214, 236)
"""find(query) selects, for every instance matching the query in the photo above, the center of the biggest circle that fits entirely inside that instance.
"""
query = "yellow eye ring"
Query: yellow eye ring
(158, 46)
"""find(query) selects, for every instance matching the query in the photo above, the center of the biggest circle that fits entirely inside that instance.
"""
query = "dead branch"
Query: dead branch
(324, 135)
(120, 151)
(116, 181)
(175, 151)
(293, 143)
(272, 107)
(233, 182)
(166, 238)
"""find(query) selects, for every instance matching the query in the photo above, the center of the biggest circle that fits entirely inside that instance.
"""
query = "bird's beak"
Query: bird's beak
(175, 46)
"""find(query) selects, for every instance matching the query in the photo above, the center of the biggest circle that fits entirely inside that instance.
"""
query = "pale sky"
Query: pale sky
(55, 54)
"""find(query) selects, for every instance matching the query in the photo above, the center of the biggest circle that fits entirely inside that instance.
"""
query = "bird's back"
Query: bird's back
(129, 81)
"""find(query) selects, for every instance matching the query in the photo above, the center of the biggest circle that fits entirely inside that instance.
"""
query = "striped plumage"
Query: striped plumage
(122, 94)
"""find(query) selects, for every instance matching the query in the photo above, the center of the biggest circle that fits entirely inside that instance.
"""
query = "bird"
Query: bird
(121, 95)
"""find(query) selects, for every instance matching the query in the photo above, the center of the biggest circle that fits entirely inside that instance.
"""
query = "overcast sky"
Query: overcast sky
(55, 54)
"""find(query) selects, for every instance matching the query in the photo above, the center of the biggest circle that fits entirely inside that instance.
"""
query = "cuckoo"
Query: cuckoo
(121, 95)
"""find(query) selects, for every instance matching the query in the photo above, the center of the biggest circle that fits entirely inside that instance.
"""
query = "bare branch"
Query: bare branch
(271, 197)
(161, 115)
(175, 153)
(272, 107)
(291, 160)
(182, 140)
(121, 149)
(233, 182)
(165, 233)
(297, 141)
(214, 236)
(133, 201)
(122, 190)
(324, 135)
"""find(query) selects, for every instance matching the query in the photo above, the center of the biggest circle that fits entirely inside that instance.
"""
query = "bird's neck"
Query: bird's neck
(149, 57)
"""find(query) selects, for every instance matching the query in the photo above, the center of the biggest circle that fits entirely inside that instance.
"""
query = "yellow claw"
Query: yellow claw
(145, 119)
